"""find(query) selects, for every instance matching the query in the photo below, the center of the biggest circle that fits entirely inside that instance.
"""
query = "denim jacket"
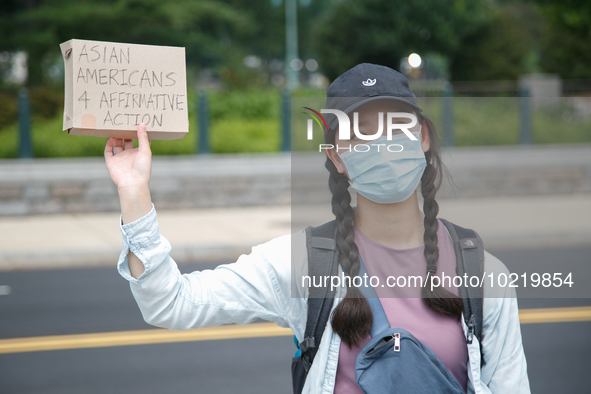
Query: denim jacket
(258, 286)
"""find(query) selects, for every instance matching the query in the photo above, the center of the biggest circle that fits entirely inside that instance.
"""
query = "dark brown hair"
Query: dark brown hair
(352, 318)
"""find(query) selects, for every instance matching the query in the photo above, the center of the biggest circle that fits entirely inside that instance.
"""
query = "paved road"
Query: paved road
(60, 302)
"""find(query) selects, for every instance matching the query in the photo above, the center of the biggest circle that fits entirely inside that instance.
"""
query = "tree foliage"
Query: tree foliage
(567, 47)
(482, 40)
(503, 48)
(201, 26)
(216, 33)
(383, 32)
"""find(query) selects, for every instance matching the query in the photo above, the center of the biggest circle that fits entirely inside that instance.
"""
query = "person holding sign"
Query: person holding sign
(385, 234)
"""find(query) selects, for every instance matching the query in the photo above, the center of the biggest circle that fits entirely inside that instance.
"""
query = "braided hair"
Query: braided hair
(352, 319)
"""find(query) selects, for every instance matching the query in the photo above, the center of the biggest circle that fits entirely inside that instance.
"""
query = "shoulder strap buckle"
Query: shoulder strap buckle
(307, 343)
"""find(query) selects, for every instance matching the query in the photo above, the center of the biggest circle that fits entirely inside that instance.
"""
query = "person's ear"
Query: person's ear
(425, 139)
(336, 159)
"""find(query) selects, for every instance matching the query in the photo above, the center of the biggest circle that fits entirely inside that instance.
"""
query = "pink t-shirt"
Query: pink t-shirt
(442, 334)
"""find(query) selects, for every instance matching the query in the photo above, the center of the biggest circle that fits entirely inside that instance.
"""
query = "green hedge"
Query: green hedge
(246, 121)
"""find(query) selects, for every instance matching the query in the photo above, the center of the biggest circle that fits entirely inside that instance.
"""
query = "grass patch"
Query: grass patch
(239, 136)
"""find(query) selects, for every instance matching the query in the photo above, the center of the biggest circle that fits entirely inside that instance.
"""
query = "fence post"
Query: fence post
(448, 115)
(25, 148)
(525, 124)
(203, 124)
(285, 120)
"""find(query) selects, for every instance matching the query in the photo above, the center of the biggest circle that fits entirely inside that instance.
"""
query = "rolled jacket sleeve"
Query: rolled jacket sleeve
(141, 237)
(256, 286)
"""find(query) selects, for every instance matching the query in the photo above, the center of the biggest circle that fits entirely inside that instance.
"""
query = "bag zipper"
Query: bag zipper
(380, 344)
(396, 337)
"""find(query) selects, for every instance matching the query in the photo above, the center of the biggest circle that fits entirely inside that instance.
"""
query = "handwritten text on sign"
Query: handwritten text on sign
(125, 95)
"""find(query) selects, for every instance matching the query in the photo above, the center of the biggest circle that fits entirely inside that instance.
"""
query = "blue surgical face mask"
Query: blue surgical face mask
(386, 175)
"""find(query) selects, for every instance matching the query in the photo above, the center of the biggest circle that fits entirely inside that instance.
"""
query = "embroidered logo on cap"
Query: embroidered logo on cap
(369, 82)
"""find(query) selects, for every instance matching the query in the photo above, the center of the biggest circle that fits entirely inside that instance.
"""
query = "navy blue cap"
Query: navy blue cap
(364, 83)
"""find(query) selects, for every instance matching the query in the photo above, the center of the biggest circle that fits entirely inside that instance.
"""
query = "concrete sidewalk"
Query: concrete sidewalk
(93, 239)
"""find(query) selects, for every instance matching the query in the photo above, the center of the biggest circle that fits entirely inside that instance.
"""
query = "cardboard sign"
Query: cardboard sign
(112, 87)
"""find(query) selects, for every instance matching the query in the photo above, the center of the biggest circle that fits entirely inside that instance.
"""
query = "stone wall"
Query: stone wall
(45, 186)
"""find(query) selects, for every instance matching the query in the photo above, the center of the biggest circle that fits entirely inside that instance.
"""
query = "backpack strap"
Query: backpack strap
(322, 261)
(380, 320)
(469, 250)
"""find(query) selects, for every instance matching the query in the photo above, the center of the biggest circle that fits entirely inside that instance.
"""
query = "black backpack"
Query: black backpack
(323, 261)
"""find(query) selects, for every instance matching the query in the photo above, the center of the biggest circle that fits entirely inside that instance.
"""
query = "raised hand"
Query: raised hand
(129, 167)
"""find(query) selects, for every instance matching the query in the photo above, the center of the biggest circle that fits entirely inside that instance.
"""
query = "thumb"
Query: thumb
(143, 140)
